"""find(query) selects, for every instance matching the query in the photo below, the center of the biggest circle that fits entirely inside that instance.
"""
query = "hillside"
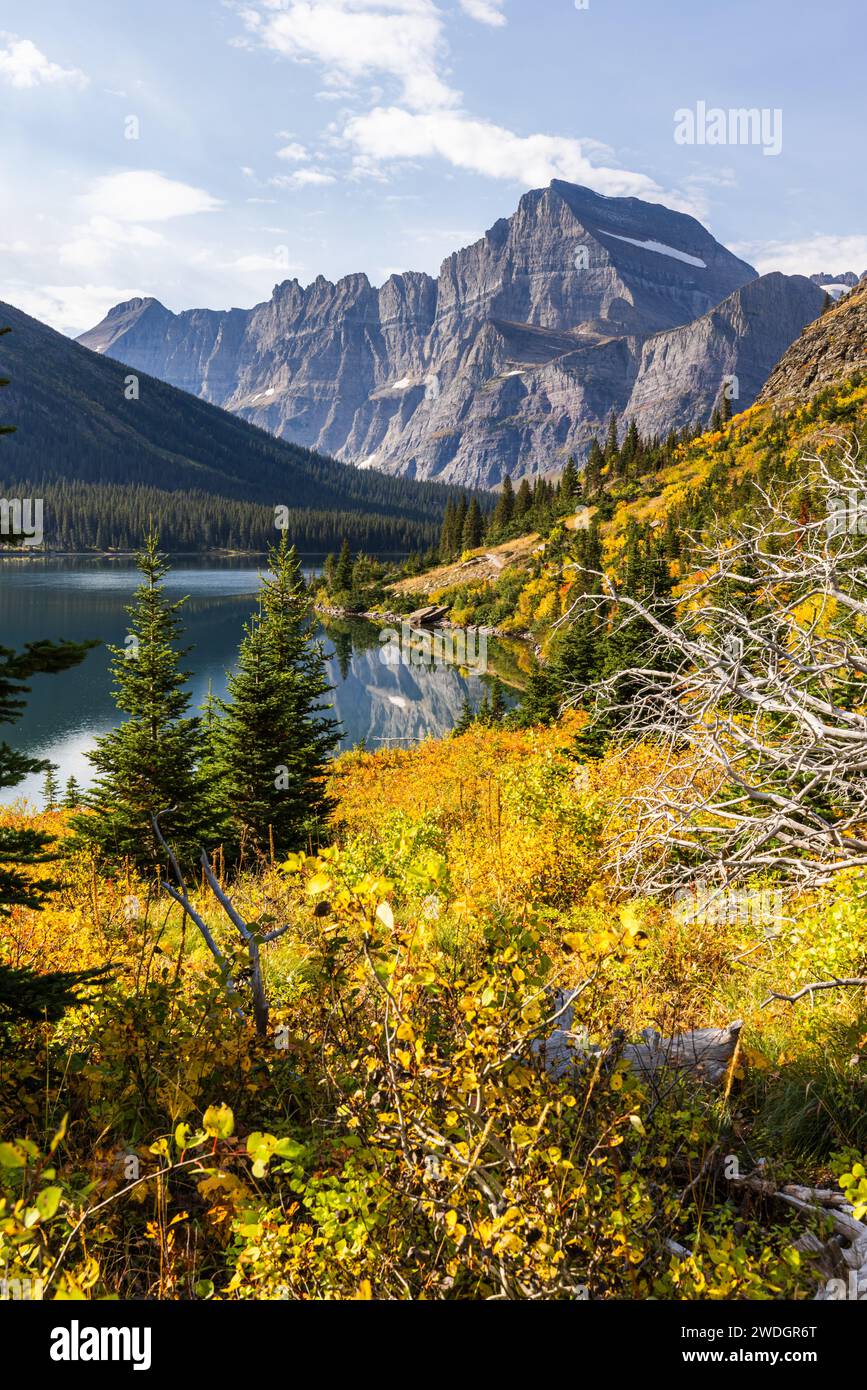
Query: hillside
(642, 510)
(827, 351)
(78, 433)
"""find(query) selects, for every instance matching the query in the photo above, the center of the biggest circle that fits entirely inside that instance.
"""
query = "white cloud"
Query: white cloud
(360, 42)
(355, 39)
(97, 240)
(390, 133)
(302, 178)
(807, 256)
(70, 308)
(485, 11)
(24, 65)
(144, 195)
(293, 153)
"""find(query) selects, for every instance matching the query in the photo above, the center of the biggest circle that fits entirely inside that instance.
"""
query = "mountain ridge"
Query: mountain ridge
(508, 362)
(80, 420)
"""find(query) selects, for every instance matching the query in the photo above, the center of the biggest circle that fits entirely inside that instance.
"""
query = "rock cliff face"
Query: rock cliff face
(827, 352)
(506, 363)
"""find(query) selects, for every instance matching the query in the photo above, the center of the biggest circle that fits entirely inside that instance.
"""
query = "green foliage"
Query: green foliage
(270, 746)
(149, 764)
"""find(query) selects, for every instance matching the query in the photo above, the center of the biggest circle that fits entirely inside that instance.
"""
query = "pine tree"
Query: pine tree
(343, 570)
(630, 451)
(275, 736)
(447, 533)
(24, 993)
(149, 763)
(499, 708)
(50, 787)
(570, 485)
(473, 526)
(505, 508)
(593, 469)
(72, 795)
(523, 499)
(466, 718)
(612, 449)
(460, 522)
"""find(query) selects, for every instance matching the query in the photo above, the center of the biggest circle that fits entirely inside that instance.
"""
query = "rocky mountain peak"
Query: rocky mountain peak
(507, 362)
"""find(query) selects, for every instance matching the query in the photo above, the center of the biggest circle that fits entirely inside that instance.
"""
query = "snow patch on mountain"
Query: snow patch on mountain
(660, 248)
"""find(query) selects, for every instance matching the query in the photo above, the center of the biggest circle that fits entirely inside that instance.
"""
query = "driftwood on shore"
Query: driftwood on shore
(704, 1053)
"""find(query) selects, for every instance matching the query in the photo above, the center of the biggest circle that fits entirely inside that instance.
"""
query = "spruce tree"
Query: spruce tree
(612, 449)
(474, 526)
(24, 993)
(149, 763)
(460, 522)
(275, 737)
(466, 719)
(505, 508)
(523, 499)
(569, 485)
(446, 531)
(72, 795)
(343, 570)
(50, 787)
(499, 708)
(593, 469)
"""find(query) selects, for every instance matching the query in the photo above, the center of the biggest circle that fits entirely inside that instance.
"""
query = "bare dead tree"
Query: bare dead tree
(754, 694)
(251, 937)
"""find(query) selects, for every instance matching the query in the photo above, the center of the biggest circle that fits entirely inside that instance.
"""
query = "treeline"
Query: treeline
(538, 505)
(91, 517)
(85, 421)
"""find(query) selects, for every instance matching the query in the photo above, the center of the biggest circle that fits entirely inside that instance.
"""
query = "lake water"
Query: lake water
(379, 703)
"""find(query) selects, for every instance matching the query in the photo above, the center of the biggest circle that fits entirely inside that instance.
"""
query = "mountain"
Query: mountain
(836, 285)
(75, 426)
(680, 372)
(828, 352)
(508, 362)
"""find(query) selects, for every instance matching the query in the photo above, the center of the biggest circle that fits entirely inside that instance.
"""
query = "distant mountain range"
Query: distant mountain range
(112, 451)
(509, 361)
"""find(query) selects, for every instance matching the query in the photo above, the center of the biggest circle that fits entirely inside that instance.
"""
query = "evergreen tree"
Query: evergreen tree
(612, 449)
(474, 526)
(275, 736)
(466, 718)
(50, 787)
(343, 570)
(593, 469)
(570, 484)
(505, 508)
(523, 499)
(24, 993)
(630, 453)
(460, 523)
(447, 533)
(498, 701)
(72, 795)
(149, 763)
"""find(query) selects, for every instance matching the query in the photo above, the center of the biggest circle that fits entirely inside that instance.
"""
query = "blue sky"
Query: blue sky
(280, 138)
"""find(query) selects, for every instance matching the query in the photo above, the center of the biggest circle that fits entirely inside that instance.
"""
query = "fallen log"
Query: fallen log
(843, 1258)
(704, 1053)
